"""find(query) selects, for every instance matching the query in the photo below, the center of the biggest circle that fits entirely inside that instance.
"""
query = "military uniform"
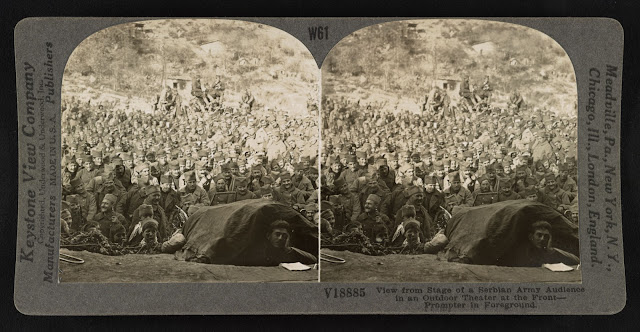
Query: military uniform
(130, 201)
(512, 196)
(555, 198)
(291, 196)
(158, 214)
(480, 198)
(369, 222)
(463, 197)
(199, 195)
(107, 219)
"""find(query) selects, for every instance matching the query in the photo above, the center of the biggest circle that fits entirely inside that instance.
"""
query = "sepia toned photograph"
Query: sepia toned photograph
(449, 154)
(188, 155)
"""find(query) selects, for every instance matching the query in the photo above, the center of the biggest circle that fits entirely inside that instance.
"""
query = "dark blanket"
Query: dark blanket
(484, 234)
(225, 234)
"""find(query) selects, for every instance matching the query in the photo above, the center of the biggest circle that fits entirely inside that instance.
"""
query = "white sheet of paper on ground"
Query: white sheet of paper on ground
(295, 266)
(558, 267)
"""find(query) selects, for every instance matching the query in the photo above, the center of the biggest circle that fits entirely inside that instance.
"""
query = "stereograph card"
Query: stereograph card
(319, 165)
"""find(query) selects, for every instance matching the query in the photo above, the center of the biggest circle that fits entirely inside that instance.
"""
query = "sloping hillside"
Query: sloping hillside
(399, 60)
(131, 61)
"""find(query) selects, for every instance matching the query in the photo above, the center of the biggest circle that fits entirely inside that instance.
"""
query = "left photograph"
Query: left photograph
(188, 155)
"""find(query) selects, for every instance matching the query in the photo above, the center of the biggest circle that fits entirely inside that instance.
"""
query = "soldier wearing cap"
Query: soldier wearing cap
(287, 193)
(565, 182)
(301, 181)
(386, 174)
(461, 195)
(152, 197)
(121, 173)
(553, 196)
(351, 174)
(69, 172)
(412, 234)
(192, 188)
(85, 201)
(169, 198)
(97, 159)
(218, 192)
(242, 191)
(506, 192)
(106, 217)
(483, 195)
(433, 198)
(521, 180)
(266, 192)
(416, 199)
(255, 179)
(128, 203)
(228, 177)
(372, 185)
(88, 170)
(347, 200)
(108, 186)
(371, 217)
(174, 172)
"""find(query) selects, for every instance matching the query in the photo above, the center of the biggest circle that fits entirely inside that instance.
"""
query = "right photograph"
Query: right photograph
(449, 154)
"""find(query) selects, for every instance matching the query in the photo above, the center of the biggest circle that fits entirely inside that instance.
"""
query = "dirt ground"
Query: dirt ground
(165, 268)
(426, 268)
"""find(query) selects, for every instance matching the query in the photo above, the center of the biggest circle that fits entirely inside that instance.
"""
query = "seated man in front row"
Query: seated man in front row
(276, 248)
(537, 250)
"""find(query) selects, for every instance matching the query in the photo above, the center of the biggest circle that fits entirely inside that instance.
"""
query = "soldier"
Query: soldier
(68, 174)
(515, 101)
(490, 173)
(385, 173)
(109, 187)
(371, 217)
(88, 171)
(484, 195)
(132, 199)
(537, 250)
(462, 196)
(348, 200)
(200, 196)
(106, 217)
(152, 197)
(553, 196)
(351, 174)
(416, 199)
(565, 182)
(522, 181)
(242, 192)
(396, 199)
(433, 198)
(169, 198)
(85, 201)
(288, 194)
(506, 192)
(372, 186)
(121, 173)
(218, 193)
(301, 182)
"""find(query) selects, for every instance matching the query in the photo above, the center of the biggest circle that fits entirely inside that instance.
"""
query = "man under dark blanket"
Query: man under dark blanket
(276, 249)
(537, 250)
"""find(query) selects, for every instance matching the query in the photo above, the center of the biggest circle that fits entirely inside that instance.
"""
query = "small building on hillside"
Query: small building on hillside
(181, 83)
(451, 85)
